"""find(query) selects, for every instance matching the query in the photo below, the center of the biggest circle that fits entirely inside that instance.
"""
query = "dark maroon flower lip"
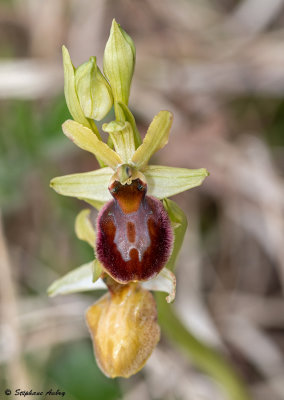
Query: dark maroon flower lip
(134, 234)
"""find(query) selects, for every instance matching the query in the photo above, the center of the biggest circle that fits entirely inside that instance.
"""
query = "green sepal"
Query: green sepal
(179, 224)
(84, 229)
(165, 281)
(77, 280)
(88, 186)
(167, 181)
(97, 270)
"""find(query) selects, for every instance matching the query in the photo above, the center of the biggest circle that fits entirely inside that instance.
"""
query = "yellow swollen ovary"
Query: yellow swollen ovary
(124, 329)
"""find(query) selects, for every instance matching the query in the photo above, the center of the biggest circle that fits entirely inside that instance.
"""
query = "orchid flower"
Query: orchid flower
(138, 231)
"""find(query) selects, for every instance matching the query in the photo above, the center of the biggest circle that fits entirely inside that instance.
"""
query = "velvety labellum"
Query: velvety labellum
(134, 234)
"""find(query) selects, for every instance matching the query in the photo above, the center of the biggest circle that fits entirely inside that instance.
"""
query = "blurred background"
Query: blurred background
(219, 67)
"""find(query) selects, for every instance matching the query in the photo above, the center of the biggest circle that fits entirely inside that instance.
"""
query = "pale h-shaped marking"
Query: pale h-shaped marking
(140, 220)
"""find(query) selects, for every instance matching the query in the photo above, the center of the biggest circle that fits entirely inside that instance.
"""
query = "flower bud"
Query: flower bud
(93, 90)
(124, 329)
(119, 62)
(70, 91)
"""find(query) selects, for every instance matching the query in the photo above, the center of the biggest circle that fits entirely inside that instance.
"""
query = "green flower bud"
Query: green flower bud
(70, 91)
(119, 62)
(93, 90)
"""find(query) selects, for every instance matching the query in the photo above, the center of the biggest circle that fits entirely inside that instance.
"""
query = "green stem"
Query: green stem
(119, 116)
(97, 133)
(94, 128)
(204, 357)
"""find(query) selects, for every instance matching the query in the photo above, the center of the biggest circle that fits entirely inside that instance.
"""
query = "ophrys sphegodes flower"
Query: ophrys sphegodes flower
(138, 230)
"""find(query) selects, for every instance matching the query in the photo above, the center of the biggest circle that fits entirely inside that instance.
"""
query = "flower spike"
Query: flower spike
(137, 237)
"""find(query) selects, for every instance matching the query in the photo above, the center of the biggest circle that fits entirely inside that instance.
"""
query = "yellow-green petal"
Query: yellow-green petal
(84, 228)
(156, 137)
(122, 137)
(91, 185)
(167, 181)
(77, 280)
(85, 139)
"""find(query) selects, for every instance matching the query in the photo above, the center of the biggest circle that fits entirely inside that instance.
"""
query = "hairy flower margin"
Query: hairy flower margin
(123, 323)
